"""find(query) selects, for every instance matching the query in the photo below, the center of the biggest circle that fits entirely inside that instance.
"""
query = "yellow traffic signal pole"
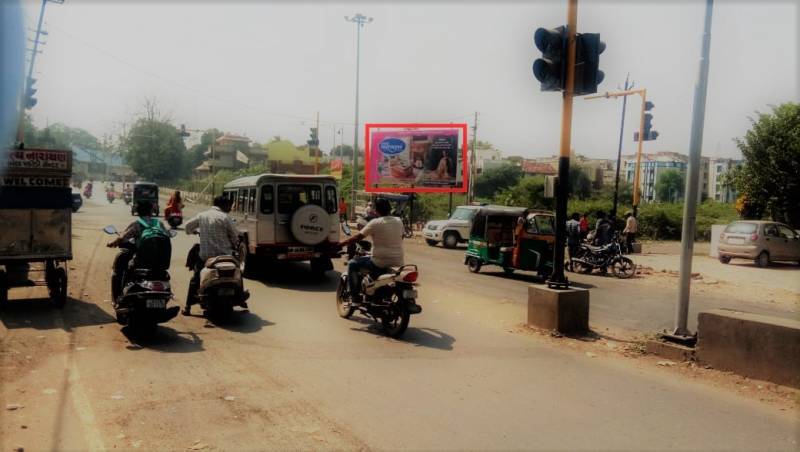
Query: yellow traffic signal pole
(637, 172)
(557, 278)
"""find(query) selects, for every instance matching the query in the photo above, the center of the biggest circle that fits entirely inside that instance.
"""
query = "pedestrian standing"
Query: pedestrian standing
(631, 228)
(584, 225)
(573, 237)
(342, 209)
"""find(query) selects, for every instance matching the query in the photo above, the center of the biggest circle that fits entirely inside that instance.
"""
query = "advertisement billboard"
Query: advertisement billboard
(424, 158)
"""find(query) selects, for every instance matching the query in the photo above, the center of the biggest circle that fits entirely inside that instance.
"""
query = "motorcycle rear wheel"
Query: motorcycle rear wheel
(394, 327)
(343, 306)
(623, 268)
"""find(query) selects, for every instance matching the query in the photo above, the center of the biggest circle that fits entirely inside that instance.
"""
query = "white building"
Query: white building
(654, 165)
(717, 189)
(487, 157)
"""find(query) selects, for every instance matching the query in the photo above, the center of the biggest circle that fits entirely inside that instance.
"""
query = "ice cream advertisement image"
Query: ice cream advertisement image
(415, 159)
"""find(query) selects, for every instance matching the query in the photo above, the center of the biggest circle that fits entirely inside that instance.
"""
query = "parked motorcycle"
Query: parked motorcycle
(143, 301)
(590, 257)
(221, 286)
(389, 296)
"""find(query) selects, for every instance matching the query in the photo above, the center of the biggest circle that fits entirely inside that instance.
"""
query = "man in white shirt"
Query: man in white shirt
(387, 246)
(631, 228)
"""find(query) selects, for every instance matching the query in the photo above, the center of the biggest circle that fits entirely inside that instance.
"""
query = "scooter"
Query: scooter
(389, 296)
(143, 301)
(221, 286)
(127, 197)
(175, 219)
(87, 192)
(110, 196)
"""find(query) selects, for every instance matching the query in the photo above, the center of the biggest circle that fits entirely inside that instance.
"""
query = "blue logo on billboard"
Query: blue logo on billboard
(392, 146)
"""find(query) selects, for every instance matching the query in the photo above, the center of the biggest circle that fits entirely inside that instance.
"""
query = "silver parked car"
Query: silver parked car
(761, 241)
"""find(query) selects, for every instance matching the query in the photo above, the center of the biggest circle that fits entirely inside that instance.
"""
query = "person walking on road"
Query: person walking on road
(573, 237)
(631, 228)
(218, 237)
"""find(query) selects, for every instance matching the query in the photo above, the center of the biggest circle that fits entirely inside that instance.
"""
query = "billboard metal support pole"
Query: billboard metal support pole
(692, 183)
(557, 279)
(619, 150)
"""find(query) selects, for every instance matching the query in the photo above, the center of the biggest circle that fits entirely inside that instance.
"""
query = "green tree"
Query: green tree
(154, 148)
(669, 186)
(494, 180)
(528, 192)
(769, 180)
(580, 185)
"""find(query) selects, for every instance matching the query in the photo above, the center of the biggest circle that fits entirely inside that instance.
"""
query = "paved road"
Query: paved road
(291, 374)
(645, 303)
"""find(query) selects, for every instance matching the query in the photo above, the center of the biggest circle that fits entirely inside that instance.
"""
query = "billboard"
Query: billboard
(426, 158)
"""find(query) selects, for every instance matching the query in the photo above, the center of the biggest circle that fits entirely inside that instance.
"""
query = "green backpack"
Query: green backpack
(153, 247)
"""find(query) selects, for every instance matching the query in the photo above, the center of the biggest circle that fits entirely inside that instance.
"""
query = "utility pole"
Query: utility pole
(557, 279)
(316, 153)
(619, 149)
(472, 160)
(29, 79)
(692, 182)
(360, 20)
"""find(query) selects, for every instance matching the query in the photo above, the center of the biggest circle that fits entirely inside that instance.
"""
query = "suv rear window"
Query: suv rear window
(292, 197)
(741, 228)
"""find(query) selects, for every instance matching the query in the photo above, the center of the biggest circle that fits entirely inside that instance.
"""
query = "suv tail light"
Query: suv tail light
(753, 237)
(411, 277)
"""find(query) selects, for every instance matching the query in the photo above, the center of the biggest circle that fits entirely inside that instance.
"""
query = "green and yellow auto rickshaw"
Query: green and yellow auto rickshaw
(514, 238)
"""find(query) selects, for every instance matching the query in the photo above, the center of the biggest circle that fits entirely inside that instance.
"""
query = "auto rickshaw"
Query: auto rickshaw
(514, 238)
(145, 191)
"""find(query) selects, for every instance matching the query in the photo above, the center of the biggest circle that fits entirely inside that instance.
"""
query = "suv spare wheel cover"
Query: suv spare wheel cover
(310, 224)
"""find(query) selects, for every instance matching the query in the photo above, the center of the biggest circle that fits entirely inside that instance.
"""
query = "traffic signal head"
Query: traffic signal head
(550, 68)
(30, 101)
(588, 75)
(648, 106)
(314, 141)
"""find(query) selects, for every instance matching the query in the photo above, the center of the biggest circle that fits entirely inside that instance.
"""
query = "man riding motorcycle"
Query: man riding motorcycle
(387, 247)
(218, 237)
(144, 210)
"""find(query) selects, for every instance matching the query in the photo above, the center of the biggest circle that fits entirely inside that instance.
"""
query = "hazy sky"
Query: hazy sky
(264, 69)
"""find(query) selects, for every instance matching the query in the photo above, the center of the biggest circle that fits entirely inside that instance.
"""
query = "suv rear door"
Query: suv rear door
(290, 197)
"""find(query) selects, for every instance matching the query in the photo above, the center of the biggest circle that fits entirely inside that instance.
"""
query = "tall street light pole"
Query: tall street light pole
(692, 183)
(619, 149)
(360, 20)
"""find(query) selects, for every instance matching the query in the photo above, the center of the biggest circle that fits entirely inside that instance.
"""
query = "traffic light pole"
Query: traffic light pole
(557, 279)
(34, 51)
(637, 172)
(619, 151)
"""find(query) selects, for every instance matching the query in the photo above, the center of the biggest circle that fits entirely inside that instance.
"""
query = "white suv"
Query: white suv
(452, 231)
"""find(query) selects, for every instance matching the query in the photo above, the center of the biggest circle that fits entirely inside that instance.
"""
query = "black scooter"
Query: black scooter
(143, 302)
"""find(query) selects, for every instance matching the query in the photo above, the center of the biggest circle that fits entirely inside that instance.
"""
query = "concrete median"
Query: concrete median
(756, 346)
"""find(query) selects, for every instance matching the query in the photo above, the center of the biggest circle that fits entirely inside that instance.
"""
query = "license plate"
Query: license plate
(300, 256)
(410, 293)
(300, 252)
(736, 240)
(156, 303)
(227, 292)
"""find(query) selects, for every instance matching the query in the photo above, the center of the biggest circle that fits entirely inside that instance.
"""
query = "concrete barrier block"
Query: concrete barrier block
(753, 345)
(565, 311)
(669, 350)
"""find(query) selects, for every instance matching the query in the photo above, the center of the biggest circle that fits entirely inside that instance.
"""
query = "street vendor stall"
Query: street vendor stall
(35, 220)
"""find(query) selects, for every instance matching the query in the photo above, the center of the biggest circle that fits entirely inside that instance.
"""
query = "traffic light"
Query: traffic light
(314, 141)
(30, 101)
(588, 75)
(649, 133)
(183, 132)
(550, 68)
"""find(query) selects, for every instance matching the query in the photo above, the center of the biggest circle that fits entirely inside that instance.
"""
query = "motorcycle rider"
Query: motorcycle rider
(387, 246)
(218, 237)
(144, 209)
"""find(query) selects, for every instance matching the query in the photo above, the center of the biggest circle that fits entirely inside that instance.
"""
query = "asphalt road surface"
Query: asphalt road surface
(292, 374)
